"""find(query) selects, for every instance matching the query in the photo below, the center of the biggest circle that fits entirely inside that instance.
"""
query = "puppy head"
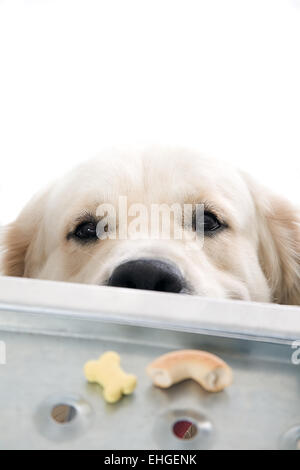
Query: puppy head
(251, 253)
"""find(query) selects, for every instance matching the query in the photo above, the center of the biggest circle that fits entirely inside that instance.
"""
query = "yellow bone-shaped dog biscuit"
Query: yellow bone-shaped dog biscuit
(107, 372)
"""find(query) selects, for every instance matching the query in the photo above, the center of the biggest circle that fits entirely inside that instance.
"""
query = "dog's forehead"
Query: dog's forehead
(152, 177)
(148, 172)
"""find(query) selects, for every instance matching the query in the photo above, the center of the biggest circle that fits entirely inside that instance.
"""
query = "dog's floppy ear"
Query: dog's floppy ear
(278, 228)
(19, 236)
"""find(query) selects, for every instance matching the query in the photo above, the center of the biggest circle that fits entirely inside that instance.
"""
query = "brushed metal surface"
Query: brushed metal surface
(44, 368)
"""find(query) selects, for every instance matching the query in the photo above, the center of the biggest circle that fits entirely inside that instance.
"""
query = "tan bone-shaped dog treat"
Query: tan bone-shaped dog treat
(208, 370)
(107, 372)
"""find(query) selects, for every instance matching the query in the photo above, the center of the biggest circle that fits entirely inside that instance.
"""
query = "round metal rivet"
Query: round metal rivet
(183, 429)
(63, 417)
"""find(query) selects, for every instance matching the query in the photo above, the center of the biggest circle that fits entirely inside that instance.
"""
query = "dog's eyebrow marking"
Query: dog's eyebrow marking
(209, 206)
(85, 216)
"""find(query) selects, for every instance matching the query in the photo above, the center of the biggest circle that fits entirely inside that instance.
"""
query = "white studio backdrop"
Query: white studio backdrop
(77, 76)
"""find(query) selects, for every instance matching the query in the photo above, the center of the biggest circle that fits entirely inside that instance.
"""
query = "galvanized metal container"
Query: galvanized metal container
(49, 330)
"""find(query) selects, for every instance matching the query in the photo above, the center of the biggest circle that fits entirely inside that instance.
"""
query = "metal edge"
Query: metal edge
(148, 309)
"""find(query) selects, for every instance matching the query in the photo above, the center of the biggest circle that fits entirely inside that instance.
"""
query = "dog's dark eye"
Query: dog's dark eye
(206, 222)
(211, 222)
(86, 231)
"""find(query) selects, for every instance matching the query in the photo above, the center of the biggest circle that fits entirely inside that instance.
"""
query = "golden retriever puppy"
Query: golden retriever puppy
(79, 230)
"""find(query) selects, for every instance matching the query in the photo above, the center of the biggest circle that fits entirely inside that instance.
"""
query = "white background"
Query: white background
(79, 75)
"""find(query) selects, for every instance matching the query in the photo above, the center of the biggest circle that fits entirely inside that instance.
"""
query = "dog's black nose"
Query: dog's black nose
(149, 274)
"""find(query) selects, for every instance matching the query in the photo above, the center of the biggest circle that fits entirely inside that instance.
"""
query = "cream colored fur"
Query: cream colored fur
(256, 258)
